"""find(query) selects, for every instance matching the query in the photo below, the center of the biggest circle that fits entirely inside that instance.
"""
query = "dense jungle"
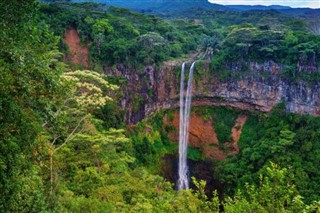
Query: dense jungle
(89, 106)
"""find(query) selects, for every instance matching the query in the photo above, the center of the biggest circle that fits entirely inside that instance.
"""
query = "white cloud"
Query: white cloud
(314, 4)
(292, 3)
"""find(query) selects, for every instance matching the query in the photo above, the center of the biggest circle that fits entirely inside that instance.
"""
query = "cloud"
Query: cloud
(292, 3)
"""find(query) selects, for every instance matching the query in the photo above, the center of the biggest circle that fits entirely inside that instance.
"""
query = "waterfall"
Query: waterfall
(182, 168)
(185, 106)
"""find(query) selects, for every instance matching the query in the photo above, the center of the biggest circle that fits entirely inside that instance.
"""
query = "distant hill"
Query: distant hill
(172, 6)
(160, 6)
(258, 7)
(279, 8)
(302, 11)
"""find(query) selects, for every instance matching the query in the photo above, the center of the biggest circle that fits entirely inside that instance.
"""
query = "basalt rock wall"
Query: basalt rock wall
(259, 86)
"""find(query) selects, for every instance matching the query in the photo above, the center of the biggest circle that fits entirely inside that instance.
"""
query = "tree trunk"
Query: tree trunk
(51, 174)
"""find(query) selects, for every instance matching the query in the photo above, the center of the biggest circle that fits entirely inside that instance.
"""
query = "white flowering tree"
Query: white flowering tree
(85, 91)
(89, 89)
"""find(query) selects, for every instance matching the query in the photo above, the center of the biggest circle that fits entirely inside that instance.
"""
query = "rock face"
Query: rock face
(258, 87)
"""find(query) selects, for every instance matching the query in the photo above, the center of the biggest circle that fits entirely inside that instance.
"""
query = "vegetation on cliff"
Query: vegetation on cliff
(289, 140)
(228, 38)
(122, 36)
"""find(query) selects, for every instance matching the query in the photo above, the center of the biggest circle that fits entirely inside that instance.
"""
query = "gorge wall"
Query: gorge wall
(260, 87)
(257, 87)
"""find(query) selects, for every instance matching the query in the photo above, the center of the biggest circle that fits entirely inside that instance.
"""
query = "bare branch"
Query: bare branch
(54, 140)
(71, 135)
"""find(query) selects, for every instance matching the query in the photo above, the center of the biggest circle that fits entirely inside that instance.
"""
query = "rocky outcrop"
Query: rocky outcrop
(257, 87)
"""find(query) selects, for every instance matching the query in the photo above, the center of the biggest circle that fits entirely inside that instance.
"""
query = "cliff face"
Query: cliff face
(259, 87)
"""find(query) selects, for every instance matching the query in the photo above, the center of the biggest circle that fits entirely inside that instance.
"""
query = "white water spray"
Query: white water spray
(185, 106)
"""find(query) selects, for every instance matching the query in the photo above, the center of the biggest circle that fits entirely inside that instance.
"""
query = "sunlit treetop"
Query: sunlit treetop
(90, 88)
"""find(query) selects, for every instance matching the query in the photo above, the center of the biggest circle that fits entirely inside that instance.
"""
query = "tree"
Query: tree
(275, 193)
(240, 39)
(101, 28)
(87, 90)
(209, 46)
(153, 43)
(29, 81)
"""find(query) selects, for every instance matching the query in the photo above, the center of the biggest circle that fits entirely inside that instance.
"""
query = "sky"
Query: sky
(291, 3)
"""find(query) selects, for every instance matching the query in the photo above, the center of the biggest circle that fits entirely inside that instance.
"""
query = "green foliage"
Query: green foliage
(275, 193)
(137, 101)
(296, 49)
(98, 176)
(111, 115)
(59, 150)
(218, 68)
(121, 36)
(29, 196)
(207, 205)
(101, 26)
(194, 154)
(285, 139)
(151, 142)
(30, 73)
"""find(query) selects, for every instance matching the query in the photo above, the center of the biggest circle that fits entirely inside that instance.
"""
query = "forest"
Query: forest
(65, 145)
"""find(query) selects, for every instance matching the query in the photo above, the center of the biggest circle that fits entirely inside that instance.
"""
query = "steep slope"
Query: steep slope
(236, 132)
(78, 54)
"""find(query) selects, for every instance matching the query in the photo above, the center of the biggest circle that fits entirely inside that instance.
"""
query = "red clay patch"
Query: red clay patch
(78, 54)
(236, 133)
(202, 136)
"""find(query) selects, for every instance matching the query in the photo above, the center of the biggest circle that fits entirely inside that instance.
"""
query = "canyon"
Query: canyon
(258, 87)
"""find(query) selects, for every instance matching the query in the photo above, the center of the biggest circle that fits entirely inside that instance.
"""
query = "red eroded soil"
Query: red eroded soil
(78, 54)
(236, 133)
(202, 136)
